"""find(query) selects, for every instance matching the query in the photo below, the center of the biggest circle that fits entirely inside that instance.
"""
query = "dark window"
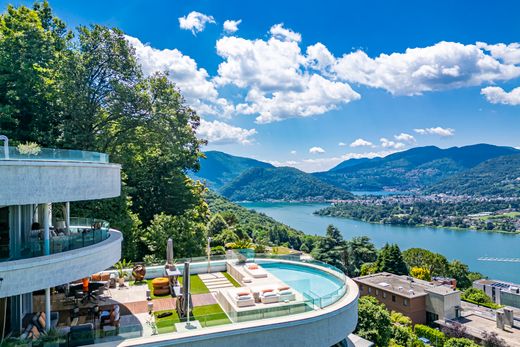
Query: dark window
(369, 290)
(384, 295)
(377, 292)
(361, 287)
(393, 298)
(405, 302)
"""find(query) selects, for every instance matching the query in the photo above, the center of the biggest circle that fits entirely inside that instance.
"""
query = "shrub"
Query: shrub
(460, 342)
(435, 336)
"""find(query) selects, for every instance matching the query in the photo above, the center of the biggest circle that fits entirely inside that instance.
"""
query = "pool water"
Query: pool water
(306, 280)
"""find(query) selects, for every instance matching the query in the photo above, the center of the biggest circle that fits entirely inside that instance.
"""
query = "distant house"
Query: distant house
(502, 293)
(422, 301)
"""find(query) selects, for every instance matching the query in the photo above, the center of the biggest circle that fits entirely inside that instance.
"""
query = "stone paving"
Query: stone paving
(215, 281)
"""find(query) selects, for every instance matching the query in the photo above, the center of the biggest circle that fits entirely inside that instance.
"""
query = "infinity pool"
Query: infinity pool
(307, 280)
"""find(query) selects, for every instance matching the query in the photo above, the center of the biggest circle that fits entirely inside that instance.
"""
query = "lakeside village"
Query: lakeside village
(436, 210)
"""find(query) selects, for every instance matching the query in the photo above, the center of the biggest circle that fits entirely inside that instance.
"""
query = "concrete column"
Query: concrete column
(67, 217)
(47, 309)
(46, 232)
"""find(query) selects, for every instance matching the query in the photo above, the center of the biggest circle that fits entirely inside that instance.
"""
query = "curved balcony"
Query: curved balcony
(55, 175)
(86, 250)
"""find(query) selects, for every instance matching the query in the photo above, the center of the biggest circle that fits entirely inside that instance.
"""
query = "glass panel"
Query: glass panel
(82, 232)
(51, 154)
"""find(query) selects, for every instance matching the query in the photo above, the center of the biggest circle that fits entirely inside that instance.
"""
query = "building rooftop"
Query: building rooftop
(502, 285)
(403, 285)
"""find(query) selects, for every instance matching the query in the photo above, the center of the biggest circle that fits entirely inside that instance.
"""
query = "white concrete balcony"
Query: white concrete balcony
(35, 273)
(53, 175)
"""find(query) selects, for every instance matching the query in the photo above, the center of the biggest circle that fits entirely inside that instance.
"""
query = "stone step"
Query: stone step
(216, 281)
(220, 286)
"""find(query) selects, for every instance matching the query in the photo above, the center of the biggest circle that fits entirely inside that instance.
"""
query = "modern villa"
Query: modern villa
(51, 265)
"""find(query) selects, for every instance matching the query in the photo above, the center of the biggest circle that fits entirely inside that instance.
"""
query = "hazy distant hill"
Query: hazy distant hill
(415, 168)
(220, 168)
(498, 176)
(280, 183)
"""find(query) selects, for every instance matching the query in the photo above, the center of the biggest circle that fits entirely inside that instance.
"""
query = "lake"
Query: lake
(466, 246)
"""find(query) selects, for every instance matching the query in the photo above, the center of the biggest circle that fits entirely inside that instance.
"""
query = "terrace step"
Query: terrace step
(215, 281)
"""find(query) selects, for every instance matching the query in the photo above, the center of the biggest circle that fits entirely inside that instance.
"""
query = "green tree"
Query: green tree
(368, 269)
(476, 295)
(435, 263)
(217, 225)
(391, 260)
(187, 232)
(460, 272)
(374, 322)
(356, 252)
(329, 248)
(32, 46)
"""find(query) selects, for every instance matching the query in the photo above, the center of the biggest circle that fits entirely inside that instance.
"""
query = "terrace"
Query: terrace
(285, 290)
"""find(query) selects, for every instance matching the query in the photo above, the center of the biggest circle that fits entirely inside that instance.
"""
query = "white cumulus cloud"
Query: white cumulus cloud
(277, 79)
(361, 143)
(194, 82)
(509, 54)
(217, 132)
(444, 132)
(445, 65)
(386, 143)
(342, 144)
(316, 150)
(195, 22)
(404, 137)
(293, 152)
(283, 34)
(231, 26)
(497, 95)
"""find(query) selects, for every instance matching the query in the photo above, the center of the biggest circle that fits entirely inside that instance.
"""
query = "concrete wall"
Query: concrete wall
(35, 182)
(443, 305)
(320, 328)
(27, 275)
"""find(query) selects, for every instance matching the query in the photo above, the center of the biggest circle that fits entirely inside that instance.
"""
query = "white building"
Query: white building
(41, 246)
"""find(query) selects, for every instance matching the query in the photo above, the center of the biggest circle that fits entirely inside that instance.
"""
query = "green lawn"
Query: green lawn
(231, 279)
(197, 287)
(166, 324)
(209, 315)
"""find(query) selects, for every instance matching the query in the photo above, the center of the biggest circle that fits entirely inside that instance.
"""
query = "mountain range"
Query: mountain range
(455, 170)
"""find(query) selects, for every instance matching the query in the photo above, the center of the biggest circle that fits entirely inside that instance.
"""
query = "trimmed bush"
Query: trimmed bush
(435, 336)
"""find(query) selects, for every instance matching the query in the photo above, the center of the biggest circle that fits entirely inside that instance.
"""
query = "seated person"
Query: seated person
(110, 317)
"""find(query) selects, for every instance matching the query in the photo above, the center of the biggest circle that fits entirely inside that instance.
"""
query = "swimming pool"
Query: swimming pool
(311, 282)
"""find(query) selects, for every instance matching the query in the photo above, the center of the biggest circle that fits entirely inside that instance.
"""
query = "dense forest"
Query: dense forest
(281, 183)
(416, 168)
(495, 177)
(433, 213)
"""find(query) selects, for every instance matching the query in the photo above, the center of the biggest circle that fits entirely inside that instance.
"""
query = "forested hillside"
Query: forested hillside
(281, 183)
(218, 168)
(415, 168)
(496, 177)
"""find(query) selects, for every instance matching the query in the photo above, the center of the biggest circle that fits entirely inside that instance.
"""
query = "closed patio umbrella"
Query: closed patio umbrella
(169, 252)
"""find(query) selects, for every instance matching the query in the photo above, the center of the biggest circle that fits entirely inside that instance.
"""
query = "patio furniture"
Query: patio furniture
(161, 286)
(173, 275)
(242, 297)
(35, 324)
(139, 271)
(255, 271)
(269, 297)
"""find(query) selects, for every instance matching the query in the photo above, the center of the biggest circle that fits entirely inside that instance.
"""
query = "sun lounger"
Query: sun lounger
(255, 271)
(242, 297)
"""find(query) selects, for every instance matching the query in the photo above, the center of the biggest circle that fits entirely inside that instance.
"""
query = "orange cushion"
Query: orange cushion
(105, 276)
(160, 282)
(41, 320)
(284, 288)
(252, 267)
(96, 277)
(266, 290)
(243, 293)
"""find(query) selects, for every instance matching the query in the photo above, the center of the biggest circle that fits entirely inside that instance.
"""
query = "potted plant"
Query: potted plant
(121, 273)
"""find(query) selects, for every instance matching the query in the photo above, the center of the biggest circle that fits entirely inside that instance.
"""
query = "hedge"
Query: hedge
(491, 305)
(436, 337)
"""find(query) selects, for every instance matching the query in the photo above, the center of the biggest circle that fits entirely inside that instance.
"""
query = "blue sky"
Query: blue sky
(303, 75)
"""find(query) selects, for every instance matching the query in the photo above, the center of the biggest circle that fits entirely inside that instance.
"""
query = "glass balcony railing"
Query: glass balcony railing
(82, 232)
(52, 154)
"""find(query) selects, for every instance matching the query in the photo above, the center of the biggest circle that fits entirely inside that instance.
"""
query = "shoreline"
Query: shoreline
(424, 225)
